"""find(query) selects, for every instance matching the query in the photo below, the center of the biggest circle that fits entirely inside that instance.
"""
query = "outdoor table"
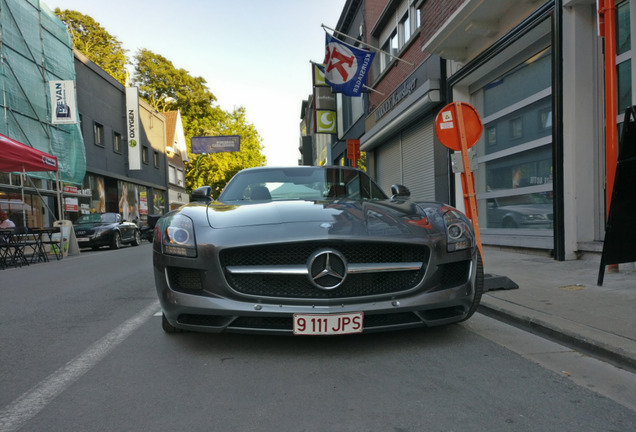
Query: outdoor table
(39, 253)
(45, 237)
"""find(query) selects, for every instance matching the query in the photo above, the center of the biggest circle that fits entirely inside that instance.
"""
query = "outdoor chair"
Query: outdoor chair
(18, 242)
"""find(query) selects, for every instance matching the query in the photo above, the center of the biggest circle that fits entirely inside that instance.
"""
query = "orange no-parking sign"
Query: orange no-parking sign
(458, 127)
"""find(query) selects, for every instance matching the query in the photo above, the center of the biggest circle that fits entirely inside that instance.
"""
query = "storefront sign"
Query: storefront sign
(132, 128)
(143, 202)
(405, 89)
(71, 205)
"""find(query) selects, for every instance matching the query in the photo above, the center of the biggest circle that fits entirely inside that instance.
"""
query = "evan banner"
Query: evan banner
(346, 67)
(63, 107)
(215, 144)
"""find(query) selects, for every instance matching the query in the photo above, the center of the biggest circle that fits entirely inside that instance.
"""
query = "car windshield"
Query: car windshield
(96, 218)
(300, 183)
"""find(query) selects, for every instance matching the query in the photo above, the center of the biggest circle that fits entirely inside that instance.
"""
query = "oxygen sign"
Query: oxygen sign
(132, 126)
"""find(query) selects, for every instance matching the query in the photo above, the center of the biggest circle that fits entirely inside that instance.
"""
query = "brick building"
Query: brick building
(533, 69)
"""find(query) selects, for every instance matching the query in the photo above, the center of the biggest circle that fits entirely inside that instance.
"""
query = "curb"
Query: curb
(563, 332)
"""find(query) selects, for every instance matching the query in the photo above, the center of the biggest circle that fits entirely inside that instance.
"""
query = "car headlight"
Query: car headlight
(100, 231)
(459, 231)
(178, 236)
(535, 218)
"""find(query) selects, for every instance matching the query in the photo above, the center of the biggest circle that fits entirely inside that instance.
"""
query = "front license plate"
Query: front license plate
(331, 324)
(82, 239)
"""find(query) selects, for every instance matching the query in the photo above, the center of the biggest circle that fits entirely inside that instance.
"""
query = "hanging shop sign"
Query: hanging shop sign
(132, 128)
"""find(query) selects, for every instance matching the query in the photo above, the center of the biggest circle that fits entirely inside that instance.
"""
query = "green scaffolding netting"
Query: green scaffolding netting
(36, 48)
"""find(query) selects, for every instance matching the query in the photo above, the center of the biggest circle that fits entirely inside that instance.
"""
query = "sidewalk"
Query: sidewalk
(561, 300)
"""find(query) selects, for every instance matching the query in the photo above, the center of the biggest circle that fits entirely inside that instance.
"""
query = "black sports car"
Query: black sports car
(105, 229)
(313, 251)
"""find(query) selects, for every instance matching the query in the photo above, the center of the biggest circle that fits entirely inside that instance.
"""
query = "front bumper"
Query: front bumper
(204, 313)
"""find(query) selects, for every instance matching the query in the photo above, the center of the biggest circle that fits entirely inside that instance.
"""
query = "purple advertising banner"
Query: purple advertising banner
(215, 144)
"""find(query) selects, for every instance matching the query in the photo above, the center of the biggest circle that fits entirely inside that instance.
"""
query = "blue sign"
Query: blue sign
(215, 144)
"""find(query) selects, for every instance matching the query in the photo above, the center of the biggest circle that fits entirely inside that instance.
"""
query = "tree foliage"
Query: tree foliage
(218, 168)
(92, 40)
(166, 87)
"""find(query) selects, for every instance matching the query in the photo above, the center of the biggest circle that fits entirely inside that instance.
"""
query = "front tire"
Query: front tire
(479, 287)
(136, 238)
(115, 242)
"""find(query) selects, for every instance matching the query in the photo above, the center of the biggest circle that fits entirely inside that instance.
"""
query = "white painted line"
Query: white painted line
(27, 406)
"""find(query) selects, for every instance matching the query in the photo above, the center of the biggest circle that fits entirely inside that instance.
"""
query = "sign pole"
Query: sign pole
(468, 182)
(458, 127)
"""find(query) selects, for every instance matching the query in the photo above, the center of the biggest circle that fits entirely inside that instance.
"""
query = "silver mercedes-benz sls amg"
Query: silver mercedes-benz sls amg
(313, 251)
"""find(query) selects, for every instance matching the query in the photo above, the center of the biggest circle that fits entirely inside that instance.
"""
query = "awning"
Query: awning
(15, 156)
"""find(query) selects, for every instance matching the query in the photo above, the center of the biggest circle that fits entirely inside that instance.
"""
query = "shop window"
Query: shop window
(624, 85)
(623, 33)
(98, 134)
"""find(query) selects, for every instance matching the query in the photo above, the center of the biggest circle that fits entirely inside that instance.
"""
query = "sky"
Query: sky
(253, 53)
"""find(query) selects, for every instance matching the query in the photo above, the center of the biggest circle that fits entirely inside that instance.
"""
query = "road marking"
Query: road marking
(27, 406)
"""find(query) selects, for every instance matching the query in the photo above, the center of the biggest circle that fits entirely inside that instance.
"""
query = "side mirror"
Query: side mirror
(202, 194)
(399, 191)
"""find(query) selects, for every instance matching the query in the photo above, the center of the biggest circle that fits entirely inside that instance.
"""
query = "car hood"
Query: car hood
(345, 216)
(93, 225)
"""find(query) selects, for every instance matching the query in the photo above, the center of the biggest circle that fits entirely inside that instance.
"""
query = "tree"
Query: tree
(218, 168)
(92, 40)
(166, 87)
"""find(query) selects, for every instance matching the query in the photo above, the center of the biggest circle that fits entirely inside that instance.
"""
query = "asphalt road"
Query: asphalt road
(81, 349)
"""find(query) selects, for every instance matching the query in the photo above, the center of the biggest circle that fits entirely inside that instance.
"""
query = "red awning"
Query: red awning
(15, 156)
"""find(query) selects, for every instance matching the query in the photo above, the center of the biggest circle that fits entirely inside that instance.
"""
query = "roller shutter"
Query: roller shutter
(389, 167)
(419, 160)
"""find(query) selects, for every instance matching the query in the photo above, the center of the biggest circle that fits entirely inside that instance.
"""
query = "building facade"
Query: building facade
(36, 57)
(533, 70)
(177, 154)
(110, 185)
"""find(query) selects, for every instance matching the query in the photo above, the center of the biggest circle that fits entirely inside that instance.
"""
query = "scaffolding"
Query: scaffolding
(35, 48)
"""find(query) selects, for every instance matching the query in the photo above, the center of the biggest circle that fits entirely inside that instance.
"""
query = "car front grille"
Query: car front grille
(299, 286)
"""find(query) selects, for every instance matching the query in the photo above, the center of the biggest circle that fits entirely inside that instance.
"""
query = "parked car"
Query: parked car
(520, 211)
(105, 229)
(313, 251)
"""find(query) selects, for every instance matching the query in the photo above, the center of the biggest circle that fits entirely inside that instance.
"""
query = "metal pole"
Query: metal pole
(611, 141)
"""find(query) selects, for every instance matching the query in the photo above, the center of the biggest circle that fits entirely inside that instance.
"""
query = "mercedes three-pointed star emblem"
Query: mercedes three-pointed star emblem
(327, 269)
